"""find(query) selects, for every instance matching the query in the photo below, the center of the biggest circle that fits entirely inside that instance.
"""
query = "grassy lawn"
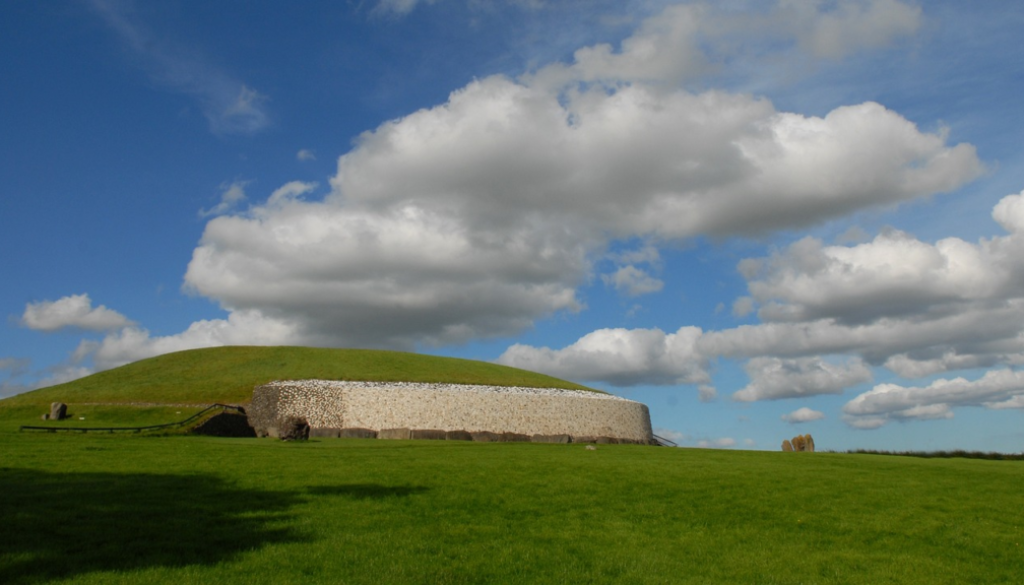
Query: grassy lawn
(183, 509)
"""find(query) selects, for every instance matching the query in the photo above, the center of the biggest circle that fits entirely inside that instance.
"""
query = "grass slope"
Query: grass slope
(203, 510)
(228, 374)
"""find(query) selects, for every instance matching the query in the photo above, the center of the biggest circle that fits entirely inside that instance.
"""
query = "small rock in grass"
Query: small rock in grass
(591, 448)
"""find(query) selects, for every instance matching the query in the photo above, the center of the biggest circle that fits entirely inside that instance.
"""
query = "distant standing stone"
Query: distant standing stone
(58, 411)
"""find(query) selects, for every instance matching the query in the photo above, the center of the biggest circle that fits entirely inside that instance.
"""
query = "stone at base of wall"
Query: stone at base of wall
(439, 435)
(357, 433)
(397, 434)
(432, 434)
(551, 438)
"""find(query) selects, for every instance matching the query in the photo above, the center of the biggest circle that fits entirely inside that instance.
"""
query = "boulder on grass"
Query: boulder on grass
(293, 428)
(58, 411)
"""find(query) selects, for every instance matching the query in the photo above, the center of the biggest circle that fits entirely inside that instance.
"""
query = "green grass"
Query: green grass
(178, 509)
(228, 374)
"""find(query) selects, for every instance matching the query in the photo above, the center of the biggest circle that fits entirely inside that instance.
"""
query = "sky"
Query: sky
(761, 219)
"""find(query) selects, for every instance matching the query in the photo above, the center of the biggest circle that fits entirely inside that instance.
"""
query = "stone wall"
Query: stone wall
(331, 407)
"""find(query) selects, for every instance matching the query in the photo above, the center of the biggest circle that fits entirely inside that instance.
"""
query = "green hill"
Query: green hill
(228, 374)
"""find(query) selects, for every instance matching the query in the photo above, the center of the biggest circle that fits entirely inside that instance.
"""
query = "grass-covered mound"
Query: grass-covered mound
(228, 375)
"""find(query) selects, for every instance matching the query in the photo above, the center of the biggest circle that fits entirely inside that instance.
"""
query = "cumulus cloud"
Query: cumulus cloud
(14, 366)
(671, 435)
(305, 154)
(914, 307)
(240, 328)
(475, 217)
(919, 308)
(773, 378)
(397, 7)
(623, 357)
(632, 281)
(63, 373)
(75, 311)
(997, 389)
(851, 26)
(721, 443)
(232, 194)
(230, 106)
(478, 216)
(802, 415)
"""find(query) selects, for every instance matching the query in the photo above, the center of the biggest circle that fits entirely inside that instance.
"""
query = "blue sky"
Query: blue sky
(761, 219)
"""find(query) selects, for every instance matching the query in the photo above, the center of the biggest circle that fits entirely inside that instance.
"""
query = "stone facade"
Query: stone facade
(399, 410)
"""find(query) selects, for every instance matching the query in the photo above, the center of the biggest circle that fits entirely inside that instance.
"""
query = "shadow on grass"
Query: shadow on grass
(365, 491)
(58, 525)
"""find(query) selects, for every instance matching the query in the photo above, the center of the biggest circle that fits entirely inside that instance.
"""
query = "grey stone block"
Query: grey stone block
(357, 433)
(458, 436)
(607, 441)
(583, 439)
(514, 438)
(550, 438)
(485, 437)
(324, 433)
(432, 434)
(393, 434)
(58, 411)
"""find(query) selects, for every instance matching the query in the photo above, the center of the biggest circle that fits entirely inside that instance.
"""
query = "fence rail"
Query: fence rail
(51, 429)
(664, 442)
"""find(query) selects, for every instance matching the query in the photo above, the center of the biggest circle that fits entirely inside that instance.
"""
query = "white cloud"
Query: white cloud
(917, 307)
(852, 25)
(74, 311)
(480, 215)
(305, 154)
(997, 389)
(621, 357)
(14, 366)
(398, 7)
(722, 443)
(240, 328)
(474, 218)
(230, 106)
(231, 195)
(62, 374)
(742, 307)
(632, 281)
(773, 378)
(671, 435)
(802, 415)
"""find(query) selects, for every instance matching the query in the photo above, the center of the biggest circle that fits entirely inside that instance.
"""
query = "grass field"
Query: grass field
(183, 509)
(177, 509)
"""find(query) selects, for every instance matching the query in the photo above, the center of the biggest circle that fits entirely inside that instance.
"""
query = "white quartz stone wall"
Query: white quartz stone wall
(450, 407)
